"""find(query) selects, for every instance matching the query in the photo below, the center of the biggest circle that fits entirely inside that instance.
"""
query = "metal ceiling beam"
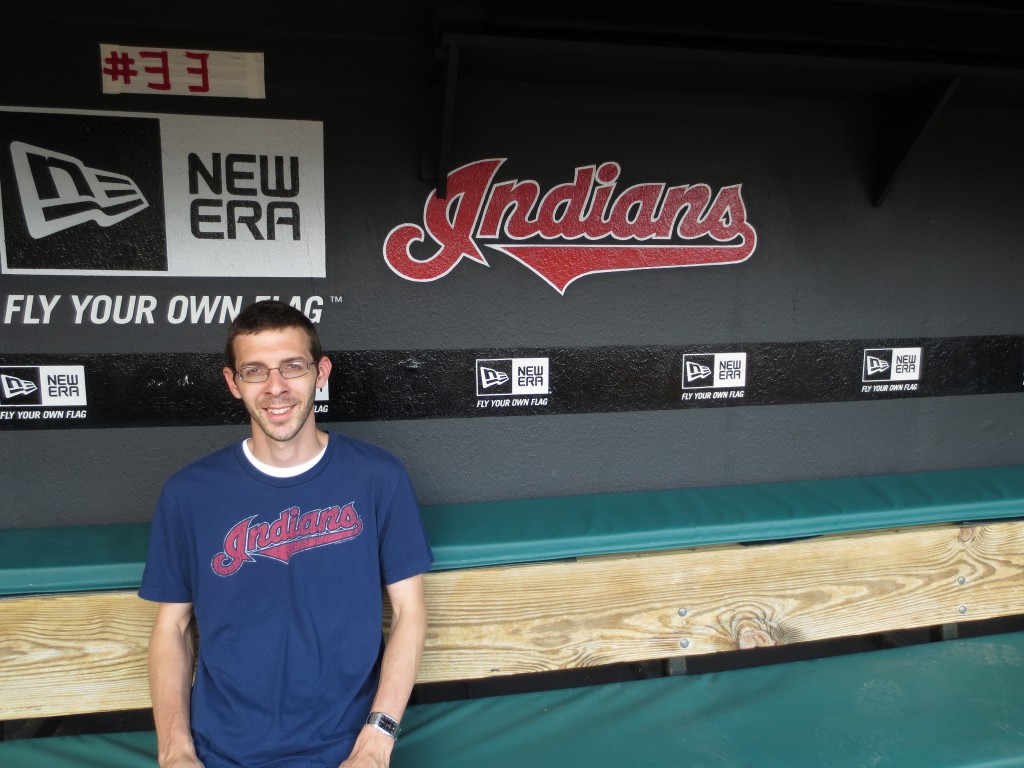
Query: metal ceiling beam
(444, 155)
(904, 122)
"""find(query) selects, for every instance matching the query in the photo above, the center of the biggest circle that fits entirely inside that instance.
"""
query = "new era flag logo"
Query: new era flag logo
(59, 191)
(490, 377)
(14, 387)
(696, 371)
(875, 365)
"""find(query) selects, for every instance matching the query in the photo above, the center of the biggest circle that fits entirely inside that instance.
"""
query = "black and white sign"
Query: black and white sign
(896, 364)
(47, 385)
(87, 193)
(53, 394)
(719, 370)
(512, 376)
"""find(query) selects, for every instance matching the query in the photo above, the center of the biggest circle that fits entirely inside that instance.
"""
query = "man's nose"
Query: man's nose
(275, 381)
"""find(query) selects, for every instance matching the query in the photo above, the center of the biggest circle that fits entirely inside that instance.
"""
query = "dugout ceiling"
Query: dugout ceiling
(793, 44)
(819, 46)
(911, 58)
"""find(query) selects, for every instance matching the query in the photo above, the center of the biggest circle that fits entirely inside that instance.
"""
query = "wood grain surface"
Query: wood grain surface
(602, 610)
(86, 652)
(83, 652)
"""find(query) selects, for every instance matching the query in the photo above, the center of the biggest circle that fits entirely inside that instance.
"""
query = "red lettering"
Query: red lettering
(330, 520)
(278, 530)
(561, 210)
(307, 524)
(203, 70)
(595, 223)
(510, 196)
(119, 66)
(727, 217)
(289, 534)
(690, 202)
(163, 70)
(258, 538)
(519, 225)
(583, 208)
(466, 189)
(230, 560)
(633, 215)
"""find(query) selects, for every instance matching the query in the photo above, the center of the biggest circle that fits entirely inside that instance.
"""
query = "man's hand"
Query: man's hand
(372, 749)
(171, 658)
(398, 671)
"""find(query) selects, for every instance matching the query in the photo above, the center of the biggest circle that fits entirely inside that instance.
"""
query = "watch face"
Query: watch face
(386, 723)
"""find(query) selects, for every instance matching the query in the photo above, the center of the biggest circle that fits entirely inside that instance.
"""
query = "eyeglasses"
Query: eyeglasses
(255, 374)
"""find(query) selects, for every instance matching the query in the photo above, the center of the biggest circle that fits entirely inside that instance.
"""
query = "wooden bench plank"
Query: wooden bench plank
(602, 610)
(62, 654)
(86, 652)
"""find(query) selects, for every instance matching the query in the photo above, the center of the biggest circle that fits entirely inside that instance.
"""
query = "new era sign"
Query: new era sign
(512, 376)
(714, 370)
(175, 195)
(892, 364)
(43, 385)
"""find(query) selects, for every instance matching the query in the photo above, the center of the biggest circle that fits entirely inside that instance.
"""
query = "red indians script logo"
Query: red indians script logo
(292, 532)
(575, 229)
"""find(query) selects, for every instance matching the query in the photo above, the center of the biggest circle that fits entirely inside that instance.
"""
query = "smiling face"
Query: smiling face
(281, 409)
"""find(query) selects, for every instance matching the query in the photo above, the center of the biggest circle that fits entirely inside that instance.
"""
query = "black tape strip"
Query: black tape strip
(187, 389)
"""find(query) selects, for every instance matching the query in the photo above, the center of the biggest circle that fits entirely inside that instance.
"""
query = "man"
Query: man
(281, 546)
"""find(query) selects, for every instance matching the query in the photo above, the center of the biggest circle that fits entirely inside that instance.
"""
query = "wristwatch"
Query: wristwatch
(383, 722)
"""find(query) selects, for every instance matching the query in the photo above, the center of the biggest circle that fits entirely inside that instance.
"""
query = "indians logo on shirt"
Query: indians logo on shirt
(294, 531)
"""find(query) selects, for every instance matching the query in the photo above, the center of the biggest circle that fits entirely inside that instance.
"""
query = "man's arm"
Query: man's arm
(171, 657)
(398, 671)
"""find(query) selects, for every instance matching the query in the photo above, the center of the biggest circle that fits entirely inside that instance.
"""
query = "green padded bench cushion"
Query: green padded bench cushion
(950, 704)
(76, 558)
(107, 750)
(528, 530)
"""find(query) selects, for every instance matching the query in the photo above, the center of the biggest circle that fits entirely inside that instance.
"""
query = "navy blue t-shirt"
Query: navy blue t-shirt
(286, 579)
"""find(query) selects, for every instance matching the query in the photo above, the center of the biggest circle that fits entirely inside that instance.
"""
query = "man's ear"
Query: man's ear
(323, 368)
(229, 377)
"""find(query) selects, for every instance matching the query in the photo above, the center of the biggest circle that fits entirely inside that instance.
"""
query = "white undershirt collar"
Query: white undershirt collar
(267, 469)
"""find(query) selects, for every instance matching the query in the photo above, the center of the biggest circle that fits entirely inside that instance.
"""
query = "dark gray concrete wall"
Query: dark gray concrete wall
(942, 258)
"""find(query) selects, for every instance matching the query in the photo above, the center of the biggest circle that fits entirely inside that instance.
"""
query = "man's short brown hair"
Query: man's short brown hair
(270, 315)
